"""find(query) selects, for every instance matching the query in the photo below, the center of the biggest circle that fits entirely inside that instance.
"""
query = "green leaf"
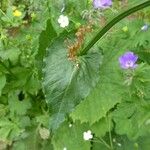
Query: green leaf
(43, 119)
(98, 103)
(26, 144)
(16, 106)
(123, 143)
(141, 38)
(32, 141)
(102, 143)
(144, 55)
(24, 121)
(106, 94)
(33, 84)
(132, 116)
(11, 54)
(8, 129)
(19, 145)
(4, 132)
(67, 82)
(45, 39)
(77, 6)
(143, 142)
(101, 127)
(71, 137)
(2, 82)
(3, 110)
(132, 119)
(98, 146)
(21, 78)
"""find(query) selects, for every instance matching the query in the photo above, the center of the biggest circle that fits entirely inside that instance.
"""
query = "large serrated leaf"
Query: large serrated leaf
(67, 82)
(98, 103)
(106, 94)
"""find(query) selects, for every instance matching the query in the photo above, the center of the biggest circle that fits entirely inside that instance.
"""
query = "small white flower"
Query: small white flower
(63, 21)
(70, 125)
(64, 148)
(144, 27)
(87, 135)
(119, 144)
(114, 140)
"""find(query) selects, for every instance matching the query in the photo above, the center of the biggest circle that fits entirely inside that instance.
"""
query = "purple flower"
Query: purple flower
(128, 60)
(102, 3)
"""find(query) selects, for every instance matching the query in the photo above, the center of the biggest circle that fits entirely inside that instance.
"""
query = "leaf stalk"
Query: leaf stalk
(110, 24)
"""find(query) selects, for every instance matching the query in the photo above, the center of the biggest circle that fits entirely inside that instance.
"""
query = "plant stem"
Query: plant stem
(110, 24)
(110, 136)
(104, 142)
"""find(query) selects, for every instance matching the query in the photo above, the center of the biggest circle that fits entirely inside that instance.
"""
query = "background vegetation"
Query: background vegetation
(48, 101)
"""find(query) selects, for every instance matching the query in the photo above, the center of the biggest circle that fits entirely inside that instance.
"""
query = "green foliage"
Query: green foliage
(16, 106)
(112, 23)
(21, 101)
(72, 139)
(132, 119)
(100, 101)
(11, 54)
(63, 93)
(122, 143)
(49, 100)
(32, 141)
(101, 127)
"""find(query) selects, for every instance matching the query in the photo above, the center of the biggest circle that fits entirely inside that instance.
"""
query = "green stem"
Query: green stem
(105, 143)
(110, 136)
(110, 24)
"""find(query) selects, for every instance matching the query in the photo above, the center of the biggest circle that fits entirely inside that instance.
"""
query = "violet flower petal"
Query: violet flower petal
(102, 3)
(128, 60)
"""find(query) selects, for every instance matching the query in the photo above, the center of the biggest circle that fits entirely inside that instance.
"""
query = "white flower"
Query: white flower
(64, 148)
(87, 135)
(144, 27)
(63, 21)
(119, 144)
(70, 125)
